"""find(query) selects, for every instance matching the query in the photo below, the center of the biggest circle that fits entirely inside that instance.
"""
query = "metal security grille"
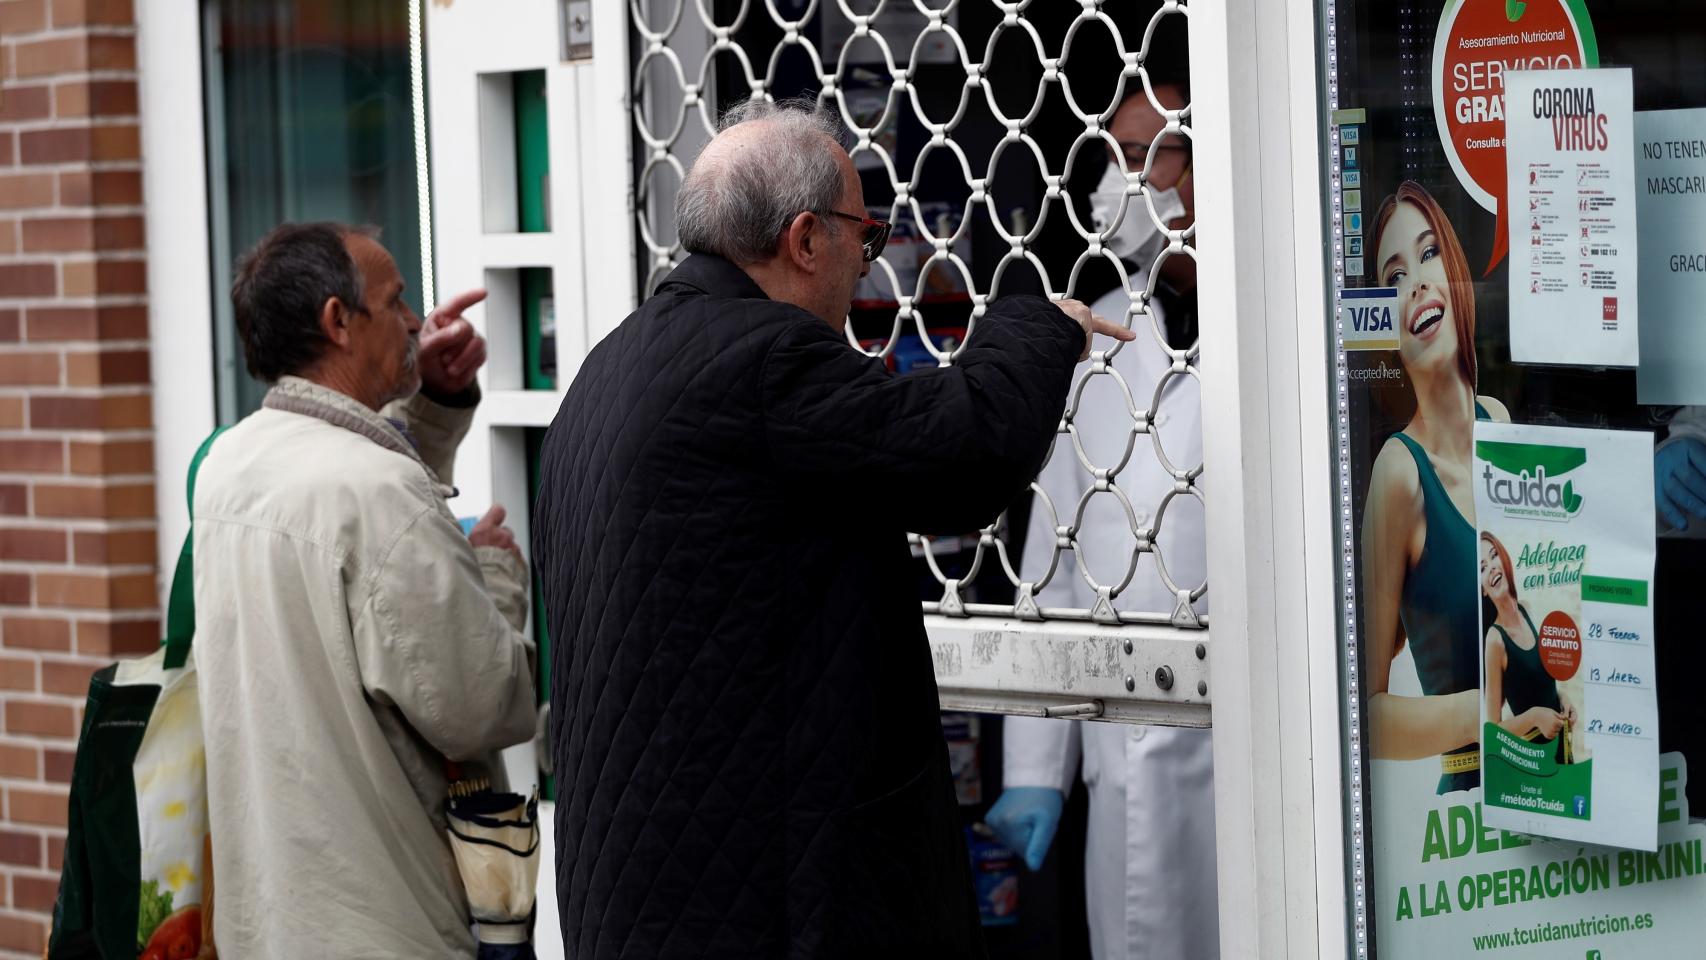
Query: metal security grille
(692, 57)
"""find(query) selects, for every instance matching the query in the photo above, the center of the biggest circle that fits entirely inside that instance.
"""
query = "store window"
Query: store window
(1518, 205)
(310, 115)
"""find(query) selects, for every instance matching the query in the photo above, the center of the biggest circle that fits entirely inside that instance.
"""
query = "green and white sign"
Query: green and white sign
(1450, 884)
(1569, 711)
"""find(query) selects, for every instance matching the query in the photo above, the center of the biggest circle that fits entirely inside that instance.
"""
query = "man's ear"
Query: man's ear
(334, 321)
(802, 241)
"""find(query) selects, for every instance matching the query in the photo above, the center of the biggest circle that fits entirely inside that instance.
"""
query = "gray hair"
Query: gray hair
(738, 210)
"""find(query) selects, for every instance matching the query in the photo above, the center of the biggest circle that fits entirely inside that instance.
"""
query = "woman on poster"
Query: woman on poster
(1418, 530)
(1539, 710)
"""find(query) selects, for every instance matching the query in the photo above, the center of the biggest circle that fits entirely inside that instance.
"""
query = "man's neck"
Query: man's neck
(781, 284)
(337, 378)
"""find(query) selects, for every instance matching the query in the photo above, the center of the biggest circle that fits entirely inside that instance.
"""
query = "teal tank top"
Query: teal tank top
(1527, 684)
(1439, 606)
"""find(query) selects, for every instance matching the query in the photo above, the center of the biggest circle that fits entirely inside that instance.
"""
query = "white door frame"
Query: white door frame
(180, 308)
(1279, 793)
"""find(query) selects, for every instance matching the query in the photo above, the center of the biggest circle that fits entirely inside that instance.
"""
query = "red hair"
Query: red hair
(1457, 276)
(1504, 558)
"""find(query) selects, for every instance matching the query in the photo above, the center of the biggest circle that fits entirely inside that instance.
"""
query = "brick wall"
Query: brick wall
(77, 532)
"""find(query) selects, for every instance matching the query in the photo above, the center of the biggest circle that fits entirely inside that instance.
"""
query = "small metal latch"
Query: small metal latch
(577, 29)
(1078, 711)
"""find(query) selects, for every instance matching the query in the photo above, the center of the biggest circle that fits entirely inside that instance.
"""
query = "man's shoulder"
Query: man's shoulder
(299, 469)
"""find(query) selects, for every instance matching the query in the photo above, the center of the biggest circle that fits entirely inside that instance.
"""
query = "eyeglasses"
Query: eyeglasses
(876, 232)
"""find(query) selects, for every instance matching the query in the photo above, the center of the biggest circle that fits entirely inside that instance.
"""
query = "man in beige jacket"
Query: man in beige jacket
(349, 638)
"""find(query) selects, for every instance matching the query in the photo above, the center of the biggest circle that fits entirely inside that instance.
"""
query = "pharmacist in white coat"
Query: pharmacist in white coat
(1150, 856)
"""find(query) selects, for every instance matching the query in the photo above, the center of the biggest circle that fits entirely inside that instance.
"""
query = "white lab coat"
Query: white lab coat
(1149, 866)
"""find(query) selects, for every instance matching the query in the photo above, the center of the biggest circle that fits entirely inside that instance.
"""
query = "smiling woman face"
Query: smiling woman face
(1409, 258)
(1493, 582)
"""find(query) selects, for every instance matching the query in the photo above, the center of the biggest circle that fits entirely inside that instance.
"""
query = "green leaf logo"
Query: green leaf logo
(1572, 500)
(1514, 10)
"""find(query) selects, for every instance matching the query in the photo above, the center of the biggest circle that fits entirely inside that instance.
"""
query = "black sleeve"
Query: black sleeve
(943, 449)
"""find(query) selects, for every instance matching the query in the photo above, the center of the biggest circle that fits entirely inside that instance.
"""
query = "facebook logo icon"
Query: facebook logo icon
(1582, 811)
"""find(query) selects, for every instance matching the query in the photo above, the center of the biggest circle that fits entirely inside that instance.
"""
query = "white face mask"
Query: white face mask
(1137, 241)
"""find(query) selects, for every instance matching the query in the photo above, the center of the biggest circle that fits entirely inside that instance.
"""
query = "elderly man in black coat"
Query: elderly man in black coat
(744, 723)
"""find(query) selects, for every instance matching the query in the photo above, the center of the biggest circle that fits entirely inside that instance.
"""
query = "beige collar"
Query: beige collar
(296, 395)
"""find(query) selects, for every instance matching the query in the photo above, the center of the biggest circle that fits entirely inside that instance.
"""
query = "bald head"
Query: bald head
(768, 163)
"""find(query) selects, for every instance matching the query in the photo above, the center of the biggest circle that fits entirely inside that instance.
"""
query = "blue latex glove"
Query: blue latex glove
(1679, 481)
(1025, 818)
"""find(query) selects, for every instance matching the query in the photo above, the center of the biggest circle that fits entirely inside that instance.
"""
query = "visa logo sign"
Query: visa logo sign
(1368, 318)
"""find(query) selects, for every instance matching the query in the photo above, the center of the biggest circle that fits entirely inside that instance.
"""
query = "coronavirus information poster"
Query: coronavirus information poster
(1564, 551)
(1570, 164)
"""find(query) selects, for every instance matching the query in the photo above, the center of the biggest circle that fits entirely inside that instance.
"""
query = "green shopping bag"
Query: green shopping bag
(137, 876)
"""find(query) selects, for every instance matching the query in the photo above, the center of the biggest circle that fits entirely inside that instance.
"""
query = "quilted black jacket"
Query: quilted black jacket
(748, 757)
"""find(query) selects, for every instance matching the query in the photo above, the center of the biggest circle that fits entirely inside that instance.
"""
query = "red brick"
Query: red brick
(114, 142)
(55, 852)
(100, 98)
(37, 58)
(73, 54)
(58, 234)
(18, 762)
(80, 144)
(48, 412)
(11, 326)
(117, 638)
(121, 412)
(40, 719)
(128, 411)
(46, 807)
(116, 502)
(83, 233)
(28, 280)
(8, 141)
(32, 456)
(34, 893)
(29, 369)
(121, 276)
(14, 589)
(21, 849)
(23, 934)
(17, 673)
(116, 548)
(114, 13)
(31, 544)
(112, 457)
(67, 679)
(56, 764)
(14, 500)
(11, 418)
(100, 591)
(36, 633)
(21, 190)
(18, 104)
(8, 236)
(78, 188)
(55, 323)
(106, 368)
(19, 17)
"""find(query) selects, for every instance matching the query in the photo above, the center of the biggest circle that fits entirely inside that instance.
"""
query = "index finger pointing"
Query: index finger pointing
(1109, 328)
(462, 301)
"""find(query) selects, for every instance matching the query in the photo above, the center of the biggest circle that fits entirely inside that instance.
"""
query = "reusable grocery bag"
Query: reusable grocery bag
(137, 878)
